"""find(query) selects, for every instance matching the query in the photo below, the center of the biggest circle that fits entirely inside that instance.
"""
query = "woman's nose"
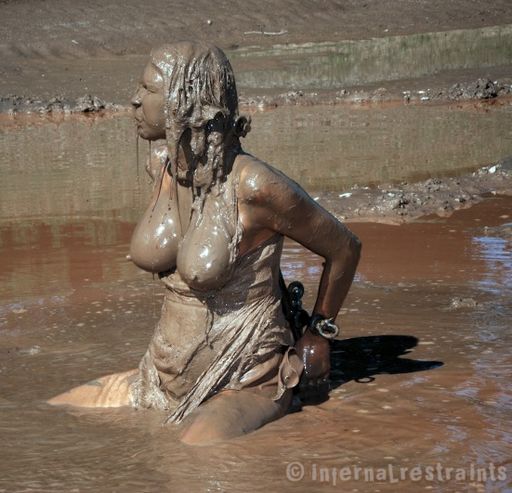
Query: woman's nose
(137, 99)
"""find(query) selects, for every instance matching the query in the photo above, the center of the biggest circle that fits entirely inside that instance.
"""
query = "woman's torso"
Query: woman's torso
(200, 321)
(195, 325)
(196, 237)
(200, 239)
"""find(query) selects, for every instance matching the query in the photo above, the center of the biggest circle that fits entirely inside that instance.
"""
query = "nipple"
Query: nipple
(204, 259)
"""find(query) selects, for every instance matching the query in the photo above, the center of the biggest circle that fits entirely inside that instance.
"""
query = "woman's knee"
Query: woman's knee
(231, 414)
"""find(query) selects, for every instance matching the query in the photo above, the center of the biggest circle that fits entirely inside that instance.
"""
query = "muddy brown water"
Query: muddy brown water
(85, 166)
(418, 379)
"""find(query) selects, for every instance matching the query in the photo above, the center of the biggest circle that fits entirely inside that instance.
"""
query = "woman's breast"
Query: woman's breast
(204, 252)
(208, 250)
(155, 240)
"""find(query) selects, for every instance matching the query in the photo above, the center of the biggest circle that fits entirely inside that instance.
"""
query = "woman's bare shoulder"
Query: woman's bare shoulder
(258, 180)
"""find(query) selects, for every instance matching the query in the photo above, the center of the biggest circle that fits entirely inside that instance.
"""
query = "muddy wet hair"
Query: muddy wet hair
(201, 105)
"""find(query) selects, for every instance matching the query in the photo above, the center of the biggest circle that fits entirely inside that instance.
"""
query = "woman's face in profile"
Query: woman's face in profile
(149, 103)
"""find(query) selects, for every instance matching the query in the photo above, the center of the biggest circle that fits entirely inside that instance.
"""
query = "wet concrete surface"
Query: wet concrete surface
(421, 371)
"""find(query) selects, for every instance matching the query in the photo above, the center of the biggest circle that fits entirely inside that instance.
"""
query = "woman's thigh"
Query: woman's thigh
(230, 414)
(108, 391)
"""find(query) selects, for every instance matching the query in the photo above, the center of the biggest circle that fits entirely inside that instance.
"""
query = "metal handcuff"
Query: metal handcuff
(323, 326)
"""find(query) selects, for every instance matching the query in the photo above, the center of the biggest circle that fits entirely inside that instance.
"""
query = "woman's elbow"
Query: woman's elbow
(356, 246)
(344, 250)
(347, 252)
(353, 252)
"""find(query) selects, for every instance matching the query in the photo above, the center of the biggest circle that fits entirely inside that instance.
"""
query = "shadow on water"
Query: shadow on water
(361, 358)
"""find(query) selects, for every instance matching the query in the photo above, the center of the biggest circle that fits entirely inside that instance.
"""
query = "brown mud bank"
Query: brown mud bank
(66, 28)
(466, 62)
(86, 104)
(420, 91)
(437, 90)
(409, 201)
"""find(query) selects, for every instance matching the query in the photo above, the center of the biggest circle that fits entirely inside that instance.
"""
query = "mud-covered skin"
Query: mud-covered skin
(190, 230)
(155, 240)
(268, 202)
(148, 103)
(211, 204)
(173, 234)
(272, 202)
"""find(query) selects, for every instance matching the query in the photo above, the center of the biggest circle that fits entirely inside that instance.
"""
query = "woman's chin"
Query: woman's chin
(142, 133)
(147, 134)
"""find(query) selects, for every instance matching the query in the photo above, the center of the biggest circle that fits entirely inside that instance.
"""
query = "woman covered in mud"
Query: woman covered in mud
(222, 358)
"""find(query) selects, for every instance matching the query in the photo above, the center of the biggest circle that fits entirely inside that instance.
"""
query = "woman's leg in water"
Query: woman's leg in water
(232, 413)
(228, 414)
(109, 391)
